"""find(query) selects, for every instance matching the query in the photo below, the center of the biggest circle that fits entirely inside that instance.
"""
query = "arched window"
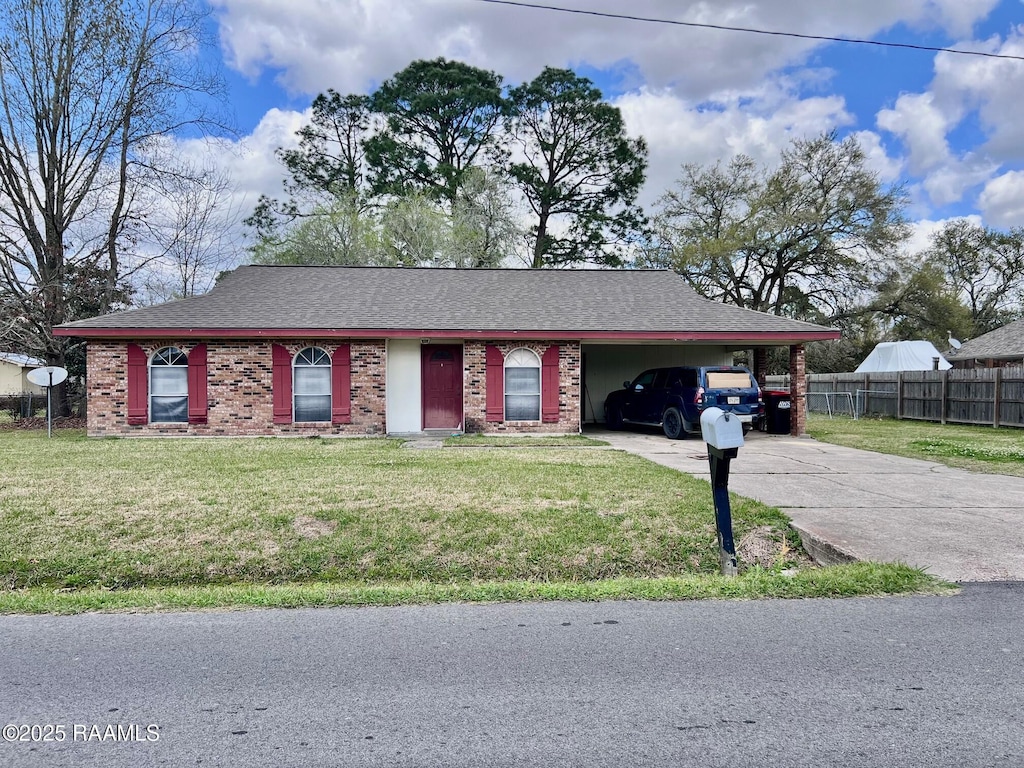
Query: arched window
(522, 386)
(312, 385)
(168, 385)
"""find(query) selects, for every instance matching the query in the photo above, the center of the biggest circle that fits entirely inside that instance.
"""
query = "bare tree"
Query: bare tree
(192, 228)
(87, 88)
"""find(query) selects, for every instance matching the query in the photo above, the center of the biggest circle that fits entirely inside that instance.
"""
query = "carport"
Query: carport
(607, 363)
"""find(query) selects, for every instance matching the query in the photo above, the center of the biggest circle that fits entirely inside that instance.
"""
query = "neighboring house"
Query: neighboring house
(995, 349)
(366, 350)
(14, 370)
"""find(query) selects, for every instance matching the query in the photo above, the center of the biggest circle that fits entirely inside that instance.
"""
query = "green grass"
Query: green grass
(852, 580)
(118, 524)
(521, 441)
(979, 449)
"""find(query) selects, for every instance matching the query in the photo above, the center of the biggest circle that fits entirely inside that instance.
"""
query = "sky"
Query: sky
(950, 128)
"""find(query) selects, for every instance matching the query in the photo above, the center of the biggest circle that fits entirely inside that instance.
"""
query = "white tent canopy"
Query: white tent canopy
(902, 356)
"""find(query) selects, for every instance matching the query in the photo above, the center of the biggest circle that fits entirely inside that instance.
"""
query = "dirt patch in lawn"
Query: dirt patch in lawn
(312, 528)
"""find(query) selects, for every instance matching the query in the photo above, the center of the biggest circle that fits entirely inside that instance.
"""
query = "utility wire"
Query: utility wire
(752, 30)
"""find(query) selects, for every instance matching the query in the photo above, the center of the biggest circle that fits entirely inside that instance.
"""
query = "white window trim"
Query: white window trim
(330, 384)
(540, 384)
(149, 382)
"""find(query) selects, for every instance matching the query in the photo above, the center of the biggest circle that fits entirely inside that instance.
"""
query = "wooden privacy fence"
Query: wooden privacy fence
(989, 396)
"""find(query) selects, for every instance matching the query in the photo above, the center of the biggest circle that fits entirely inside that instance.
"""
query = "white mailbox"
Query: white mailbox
(721, 429)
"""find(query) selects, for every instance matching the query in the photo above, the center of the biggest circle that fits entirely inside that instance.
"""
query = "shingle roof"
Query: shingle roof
(483, 300)
(1002, 343)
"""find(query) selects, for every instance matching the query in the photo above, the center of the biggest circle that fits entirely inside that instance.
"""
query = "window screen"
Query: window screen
(522, 386)
(168, 386)
(312, 385)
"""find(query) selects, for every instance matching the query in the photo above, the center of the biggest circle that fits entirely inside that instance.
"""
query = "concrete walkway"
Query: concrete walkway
(854, 504)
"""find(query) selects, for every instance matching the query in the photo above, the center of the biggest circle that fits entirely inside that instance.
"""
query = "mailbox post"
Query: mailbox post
(723, 433)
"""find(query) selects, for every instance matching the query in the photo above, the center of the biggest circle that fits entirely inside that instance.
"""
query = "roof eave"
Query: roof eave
(753, 337)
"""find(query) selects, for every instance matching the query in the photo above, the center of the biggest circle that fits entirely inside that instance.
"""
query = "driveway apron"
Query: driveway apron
(850, 504)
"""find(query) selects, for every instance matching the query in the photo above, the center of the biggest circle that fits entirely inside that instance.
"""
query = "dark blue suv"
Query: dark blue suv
(673, 398)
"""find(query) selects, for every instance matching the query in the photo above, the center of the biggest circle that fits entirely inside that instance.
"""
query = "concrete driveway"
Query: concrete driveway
(854, 504)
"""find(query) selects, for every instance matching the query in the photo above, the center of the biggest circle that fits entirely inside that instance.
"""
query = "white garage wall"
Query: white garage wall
(608, 365)
(404, 412)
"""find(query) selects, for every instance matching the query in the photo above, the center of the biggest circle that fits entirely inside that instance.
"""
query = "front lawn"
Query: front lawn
(90, 522)
(979, 449)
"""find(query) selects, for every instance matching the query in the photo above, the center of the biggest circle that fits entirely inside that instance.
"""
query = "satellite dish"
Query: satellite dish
(954, 343)
(50, 376)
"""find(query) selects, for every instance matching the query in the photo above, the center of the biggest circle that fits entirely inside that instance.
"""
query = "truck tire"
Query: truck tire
(672, 424)
(612, 417)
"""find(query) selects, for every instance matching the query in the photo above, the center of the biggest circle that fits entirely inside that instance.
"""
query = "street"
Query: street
(912, 681)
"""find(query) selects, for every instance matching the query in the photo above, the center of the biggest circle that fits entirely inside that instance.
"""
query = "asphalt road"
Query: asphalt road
(866, 682)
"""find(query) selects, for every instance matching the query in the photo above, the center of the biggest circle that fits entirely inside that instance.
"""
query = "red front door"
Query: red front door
(442, 387)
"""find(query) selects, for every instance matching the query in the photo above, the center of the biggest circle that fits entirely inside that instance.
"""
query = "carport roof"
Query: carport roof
(367, 302)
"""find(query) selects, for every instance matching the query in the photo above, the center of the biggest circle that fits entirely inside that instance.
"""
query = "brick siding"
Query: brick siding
(475, 388)
(240, 389)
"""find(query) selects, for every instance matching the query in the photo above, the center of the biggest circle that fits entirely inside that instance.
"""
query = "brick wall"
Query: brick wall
(475, 388)
(239, 389)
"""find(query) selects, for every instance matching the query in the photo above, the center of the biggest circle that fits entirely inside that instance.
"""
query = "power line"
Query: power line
(753, 30)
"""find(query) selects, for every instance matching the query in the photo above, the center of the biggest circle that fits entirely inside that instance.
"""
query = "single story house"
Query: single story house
(304, 350)
(14, 370)
(995, 349)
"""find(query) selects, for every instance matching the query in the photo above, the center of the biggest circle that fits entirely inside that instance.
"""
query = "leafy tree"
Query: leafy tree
(439, 121)
(984, 268)
(796, 241)
(330, 155)
(342, 232)
(87, 90)
(913, 300)
(580, 173)
(484, 231)
(412, 231)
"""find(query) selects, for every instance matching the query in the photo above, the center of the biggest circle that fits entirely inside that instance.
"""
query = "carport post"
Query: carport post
(797, 391)
(761, 366)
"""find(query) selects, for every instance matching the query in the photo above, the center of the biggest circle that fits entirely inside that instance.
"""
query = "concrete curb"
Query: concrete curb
(823, 551)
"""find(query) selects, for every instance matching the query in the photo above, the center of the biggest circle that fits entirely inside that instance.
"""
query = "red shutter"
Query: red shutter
(549, 385)
(341, 385)
(495, 384)
(282, 385)
(197, 401)
(138, 385)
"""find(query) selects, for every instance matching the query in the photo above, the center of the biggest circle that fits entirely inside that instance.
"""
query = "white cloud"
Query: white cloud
(350, 45)
(967, 94)
(922, 124)
(877, 158)
(681, 132)
(251, 161)
(1002, 200)
(695, 94)
(922, 230)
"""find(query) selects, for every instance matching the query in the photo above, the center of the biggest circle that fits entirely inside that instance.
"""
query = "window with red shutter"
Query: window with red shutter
(495, 384)
(138, 385)
(341, 385)
(549, 385)
(282, 381)
(197, 400)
